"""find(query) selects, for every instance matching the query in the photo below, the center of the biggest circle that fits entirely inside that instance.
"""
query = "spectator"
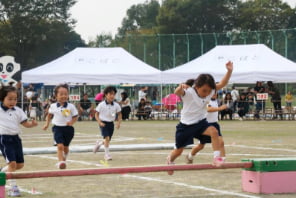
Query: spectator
(251, 101)
(125, 106)
(229, 110)
(260, 104)
(242, 106)
(85, 108)
(289, 100)
(148, 109)
(154, 96)
(35, 109)
(275, 99)
(141, 110)
(142, 93)
(235, 97)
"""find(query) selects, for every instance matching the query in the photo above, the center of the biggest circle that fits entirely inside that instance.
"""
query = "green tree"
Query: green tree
(257, 15)
(35, 31)
(102, 40)
(195, 16)
(139, 17)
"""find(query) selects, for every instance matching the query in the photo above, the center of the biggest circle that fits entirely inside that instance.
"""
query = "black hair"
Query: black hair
(205, 79)
(189, 82)
(109, 89)
(124, 96)
(4, 90)
(56, 89)
(270, 83)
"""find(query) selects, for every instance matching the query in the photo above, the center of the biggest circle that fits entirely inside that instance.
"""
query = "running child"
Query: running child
(105, 115)
(212, 118)
(11, 116)
(63, 115)
(193, 115)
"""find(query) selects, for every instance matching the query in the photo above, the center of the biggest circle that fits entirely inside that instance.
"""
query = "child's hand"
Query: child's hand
(45, 127)
(222, 107)
(34, 123)
(229, 66)
(101, 124)
(70, 123)
(117, 125)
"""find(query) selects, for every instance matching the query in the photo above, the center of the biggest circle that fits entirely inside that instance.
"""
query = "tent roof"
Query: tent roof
(94, 66)
(251, 63)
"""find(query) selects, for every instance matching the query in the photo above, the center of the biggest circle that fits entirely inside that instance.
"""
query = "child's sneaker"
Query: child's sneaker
(97, 146)
(169, 162)
(61, 165)
(188, 160)
(14, 192)
(218, 161)
(108, 157)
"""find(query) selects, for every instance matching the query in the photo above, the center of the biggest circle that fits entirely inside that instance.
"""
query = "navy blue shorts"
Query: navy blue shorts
(107, 130)
(207, 139)
(186, 133)
(63, 134)
(12, 148)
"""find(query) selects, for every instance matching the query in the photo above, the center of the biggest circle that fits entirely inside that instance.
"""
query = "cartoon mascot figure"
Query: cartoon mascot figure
(8, 67)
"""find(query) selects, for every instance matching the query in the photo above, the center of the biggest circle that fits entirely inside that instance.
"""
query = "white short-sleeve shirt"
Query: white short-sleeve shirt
(213, 116)
(62, 114)
(194, 107)
(10, 120)
(107, 112)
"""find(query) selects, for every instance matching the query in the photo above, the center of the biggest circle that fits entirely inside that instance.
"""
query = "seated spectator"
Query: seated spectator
(141, 110)
(148, 109)
(125, 106)
(229, 110)
(242, 106)
(85, 108)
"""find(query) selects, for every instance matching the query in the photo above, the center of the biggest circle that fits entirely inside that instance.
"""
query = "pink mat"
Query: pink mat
(269, 182)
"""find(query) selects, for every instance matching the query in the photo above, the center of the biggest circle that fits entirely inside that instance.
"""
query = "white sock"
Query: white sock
(190, 156)
(12, 182)
(216, 153)
(4, 169)
(106, 150)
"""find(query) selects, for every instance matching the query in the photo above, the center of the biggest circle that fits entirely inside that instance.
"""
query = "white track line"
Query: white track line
(223, 192)
(71, 161)
(263, 148)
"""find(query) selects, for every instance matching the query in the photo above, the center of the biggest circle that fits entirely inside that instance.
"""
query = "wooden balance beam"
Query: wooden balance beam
(122, 170)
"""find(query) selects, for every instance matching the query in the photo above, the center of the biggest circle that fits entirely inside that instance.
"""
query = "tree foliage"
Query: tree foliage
(140, 17)
(36, 31)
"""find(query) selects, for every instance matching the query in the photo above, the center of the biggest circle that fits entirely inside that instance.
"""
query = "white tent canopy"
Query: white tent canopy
(94, 66)
(251, 63)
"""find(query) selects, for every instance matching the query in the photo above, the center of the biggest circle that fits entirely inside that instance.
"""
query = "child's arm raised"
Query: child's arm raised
(225, 79)
(180, 90)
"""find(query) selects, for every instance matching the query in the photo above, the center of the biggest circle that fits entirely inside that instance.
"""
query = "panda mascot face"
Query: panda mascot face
(8, 67)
